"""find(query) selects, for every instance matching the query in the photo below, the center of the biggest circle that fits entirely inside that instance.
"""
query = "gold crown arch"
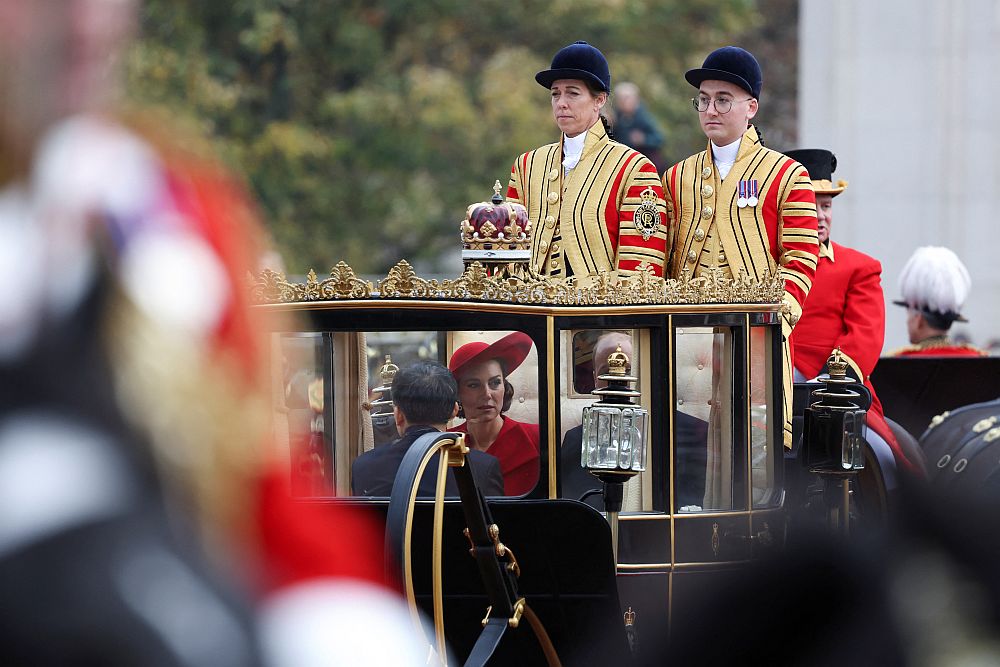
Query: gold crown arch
(497, 235)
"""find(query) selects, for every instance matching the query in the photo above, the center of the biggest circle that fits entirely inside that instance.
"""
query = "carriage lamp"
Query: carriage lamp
(381, 409)
(834, 435)
(614, 436)
(835, 424)
(497, 235)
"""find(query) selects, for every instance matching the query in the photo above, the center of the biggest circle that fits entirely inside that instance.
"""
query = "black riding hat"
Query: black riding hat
(579, 60)
(820, 163)
(732, 64)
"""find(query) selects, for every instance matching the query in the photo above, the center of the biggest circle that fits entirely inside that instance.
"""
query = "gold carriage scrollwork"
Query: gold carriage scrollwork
(475, 284)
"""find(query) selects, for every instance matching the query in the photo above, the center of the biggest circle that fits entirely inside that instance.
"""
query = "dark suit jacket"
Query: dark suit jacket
(691, 438)
(373, 473)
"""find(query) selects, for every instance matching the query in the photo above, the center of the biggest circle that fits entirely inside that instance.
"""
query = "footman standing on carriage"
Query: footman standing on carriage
(737, 207)
(594, 204)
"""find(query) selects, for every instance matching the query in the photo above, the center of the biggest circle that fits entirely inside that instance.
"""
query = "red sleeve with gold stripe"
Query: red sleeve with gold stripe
(798, 247)
(636, 252)
(516, 185)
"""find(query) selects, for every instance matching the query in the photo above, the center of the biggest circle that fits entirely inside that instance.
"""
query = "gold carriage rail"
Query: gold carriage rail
(475, 284)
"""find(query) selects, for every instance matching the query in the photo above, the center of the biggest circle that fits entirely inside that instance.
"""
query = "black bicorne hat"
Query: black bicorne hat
(732, 64)
(820, 163)
(579, 60)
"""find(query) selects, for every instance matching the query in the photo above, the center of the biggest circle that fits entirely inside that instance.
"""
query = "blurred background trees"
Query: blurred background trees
(365, 127)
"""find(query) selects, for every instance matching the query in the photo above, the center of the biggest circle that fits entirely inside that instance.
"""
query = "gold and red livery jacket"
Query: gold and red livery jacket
(606, 214)
(846, 310)
(708, 230)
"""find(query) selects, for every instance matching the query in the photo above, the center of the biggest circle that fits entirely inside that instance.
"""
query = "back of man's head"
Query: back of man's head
(425, 392)
(606, 344)
(936, 283)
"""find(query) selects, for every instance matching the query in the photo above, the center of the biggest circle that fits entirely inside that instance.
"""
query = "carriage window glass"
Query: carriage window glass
(303, 423)
(702, 419)
(587, 351)
(582, 367)
(335, 396)
(385, 352)
(497, 375)
(763, 457)
(355, 377)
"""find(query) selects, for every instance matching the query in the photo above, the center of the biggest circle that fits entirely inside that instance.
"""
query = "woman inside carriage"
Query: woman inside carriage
(485, 396)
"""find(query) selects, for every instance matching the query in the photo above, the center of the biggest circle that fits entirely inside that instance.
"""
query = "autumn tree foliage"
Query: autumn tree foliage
(365, 127)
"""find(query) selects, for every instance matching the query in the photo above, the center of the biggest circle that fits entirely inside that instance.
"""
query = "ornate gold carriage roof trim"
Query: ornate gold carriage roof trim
(475, 284)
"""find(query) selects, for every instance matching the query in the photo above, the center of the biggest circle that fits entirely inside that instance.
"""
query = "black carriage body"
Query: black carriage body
(916, 389)
(665, 549)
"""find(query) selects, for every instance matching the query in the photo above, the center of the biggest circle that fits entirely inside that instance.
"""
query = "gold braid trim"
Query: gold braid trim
(604, 288)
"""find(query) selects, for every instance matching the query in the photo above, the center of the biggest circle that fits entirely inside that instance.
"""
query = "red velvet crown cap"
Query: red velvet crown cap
(504, 224)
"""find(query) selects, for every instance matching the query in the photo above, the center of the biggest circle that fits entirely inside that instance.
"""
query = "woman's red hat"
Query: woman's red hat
(510, 351)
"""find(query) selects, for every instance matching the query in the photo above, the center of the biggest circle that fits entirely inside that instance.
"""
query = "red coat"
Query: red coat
(845, 309)
(939, 346)
(517, 448)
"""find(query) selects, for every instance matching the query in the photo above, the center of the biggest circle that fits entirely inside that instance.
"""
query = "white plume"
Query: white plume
(936, 279)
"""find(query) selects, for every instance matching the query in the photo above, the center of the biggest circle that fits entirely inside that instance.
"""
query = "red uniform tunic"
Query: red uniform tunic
(939, 346)
(845, 309)
(516, 447)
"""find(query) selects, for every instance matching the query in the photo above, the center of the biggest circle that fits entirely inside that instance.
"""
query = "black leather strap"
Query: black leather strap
(498, 578)
(500, 582)
(405, 484)
(487, 643)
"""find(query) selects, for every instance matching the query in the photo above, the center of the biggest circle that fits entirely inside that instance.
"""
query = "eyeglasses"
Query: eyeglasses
(722, 104)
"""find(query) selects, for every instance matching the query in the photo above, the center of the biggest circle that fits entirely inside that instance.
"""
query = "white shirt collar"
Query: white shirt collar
(725, 156)
(573, 149)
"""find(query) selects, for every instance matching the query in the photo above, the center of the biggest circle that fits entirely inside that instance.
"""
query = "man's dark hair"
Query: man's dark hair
(425, 392)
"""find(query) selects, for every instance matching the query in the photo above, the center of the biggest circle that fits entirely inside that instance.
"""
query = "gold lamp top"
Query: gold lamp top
(618, 362)
(837, 365)
(388, 371)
